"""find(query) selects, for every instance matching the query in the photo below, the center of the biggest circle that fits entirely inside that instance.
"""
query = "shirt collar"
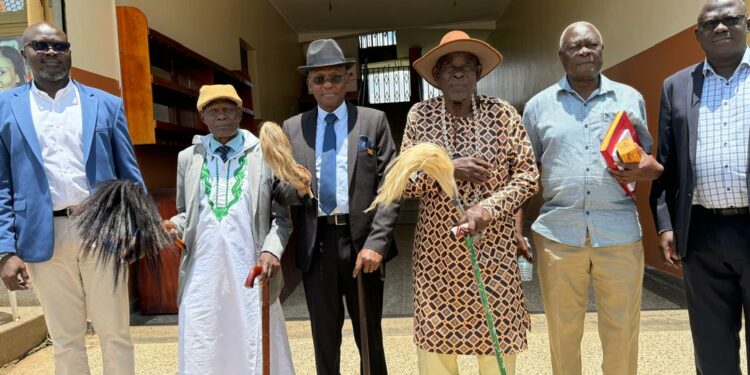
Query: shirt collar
(340, 112)
(69, 88)
(235, 143)
(605, 86)
(745, 61)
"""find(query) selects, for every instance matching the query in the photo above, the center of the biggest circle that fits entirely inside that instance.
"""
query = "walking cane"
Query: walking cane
(13, 304)
(363, 341)
(265, 305)
(435, 162)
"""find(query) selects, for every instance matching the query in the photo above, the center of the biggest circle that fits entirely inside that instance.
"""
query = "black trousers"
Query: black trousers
(328, 280)
(717, 284)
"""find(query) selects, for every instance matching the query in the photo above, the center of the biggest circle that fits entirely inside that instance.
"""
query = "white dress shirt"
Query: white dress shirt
(59, 128)
(341, 127)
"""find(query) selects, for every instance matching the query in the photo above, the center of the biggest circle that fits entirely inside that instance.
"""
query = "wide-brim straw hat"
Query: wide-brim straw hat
(322, 53)
(458, 41)
(209, 93)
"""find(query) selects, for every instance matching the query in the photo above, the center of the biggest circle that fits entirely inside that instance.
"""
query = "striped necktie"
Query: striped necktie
(223, 151)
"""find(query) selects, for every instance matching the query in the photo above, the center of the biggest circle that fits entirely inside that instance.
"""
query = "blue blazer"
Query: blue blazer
(26, 225)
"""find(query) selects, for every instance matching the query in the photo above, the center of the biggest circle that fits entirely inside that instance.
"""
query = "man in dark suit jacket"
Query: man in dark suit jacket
(346, 148)
(700, 202)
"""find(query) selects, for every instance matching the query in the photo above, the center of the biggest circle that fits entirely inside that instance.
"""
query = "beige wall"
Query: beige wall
(92, 31)
(214, 31)
(528, 36)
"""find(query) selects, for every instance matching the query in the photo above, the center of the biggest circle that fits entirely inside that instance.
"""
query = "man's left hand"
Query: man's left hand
(368, 261)
(478, 219)
(270, 263)
(648, 169)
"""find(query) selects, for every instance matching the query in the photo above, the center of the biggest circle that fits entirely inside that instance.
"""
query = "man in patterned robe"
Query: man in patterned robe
(496, 172)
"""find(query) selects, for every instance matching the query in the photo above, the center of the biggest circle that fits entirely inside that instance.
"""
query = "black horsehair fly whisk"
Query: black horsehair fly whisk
(119, 224)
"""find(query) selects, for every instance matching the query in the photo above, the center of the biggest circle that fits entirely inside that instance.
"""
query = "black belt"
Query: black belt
(65, 212)
(734, 211)
(337, 219)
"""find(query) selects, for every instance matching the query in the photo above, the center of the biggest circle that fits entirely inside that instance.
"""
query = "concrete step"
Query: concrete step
(18, 337)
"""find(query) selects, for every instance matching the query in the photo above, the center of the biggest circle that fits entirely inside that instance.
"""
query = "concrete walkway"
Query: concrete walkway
(665, 348)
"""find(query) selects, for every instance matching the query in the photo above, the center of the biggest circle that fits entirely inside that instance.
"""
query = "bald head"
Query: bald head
(42, 28)
(712, 5)
(577, 26)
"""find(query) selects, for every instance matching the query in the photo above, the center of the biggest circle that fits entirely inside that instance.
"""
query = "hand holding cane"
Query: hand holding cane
(434, 161)
(265, 316)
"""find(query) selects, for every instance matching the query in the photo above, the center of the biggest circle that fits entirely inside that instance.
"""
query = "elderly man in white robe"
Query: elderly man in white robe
(229, 221)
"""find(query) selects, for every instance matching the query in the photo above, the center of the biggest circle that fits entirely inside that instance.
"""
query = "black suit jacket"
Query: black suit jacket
(373, 230)
(672, 194)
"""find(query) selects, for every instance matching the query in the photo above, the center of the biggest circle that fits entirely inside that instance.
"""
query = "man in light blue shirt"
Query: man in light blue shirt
(588, 226)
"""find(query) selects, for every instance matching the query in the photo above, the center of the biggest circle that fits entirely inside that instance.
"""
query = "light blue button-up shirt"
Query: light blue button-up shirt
(341, 127)
(580, 195)
(237, 144)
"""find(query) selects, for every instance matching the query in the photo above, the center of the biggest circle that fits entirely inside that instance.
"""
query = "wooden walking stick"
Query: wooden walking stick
(363, 338)
(265, 316)
(434, 161)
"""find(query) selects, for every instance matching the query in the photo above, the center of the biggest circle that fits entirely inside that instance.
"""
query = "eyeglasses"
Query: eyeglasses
(41, 46)
(729, 21)
(334, 79)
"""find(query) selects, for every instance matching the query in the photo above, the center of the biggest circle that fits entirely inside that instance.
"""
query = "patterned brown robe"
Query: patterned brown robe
(448, 313)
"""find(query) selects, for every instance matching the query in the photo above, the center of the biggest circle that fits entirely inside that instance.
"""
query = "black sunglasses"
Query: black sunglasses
(42, 46)
(729, 21)
(334, 79)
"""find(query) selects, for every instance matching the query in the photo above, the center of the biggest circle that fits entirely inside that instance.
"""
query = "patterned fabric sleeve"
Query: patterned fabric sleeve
(419, 183)
(524, 174)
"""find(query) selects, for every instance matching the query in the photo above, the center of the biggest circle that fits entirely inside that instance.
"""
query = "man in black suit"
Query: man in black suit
(700, 203)
(346, 148)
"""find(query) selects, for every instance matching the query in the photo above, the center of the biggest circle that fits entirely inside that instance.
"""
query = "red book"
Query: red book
(620, 129)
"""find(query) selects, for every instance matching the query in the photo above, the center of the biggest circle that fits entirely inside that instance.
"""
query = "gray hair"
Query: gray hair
(580, 23)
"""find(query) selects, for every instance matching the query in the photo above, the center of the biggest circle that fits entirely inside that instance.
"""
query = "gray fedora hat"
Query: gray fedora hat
(324, 52)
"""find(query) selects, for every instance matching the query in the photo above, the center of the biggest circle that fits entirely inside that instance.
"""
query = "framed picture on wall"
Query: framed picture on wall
(13, 70)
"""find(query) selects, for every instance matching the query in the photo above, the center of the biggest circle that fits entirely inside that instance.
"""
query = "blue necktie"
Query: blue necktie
(223, 151)
(328, 167)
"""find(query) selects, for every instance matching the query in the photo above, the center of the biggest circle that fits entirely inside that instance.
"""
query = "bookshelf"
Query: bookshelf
(160, 81)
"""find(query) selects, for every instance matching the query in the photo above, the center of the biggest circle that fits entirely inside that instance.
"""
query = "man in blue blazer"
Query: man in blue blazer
(58, 139)
(700, 203)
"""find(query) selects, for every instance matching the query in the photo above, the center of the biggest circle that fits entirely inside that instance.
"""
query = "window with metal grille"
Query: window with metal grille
(388, 82)
(384, 39)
